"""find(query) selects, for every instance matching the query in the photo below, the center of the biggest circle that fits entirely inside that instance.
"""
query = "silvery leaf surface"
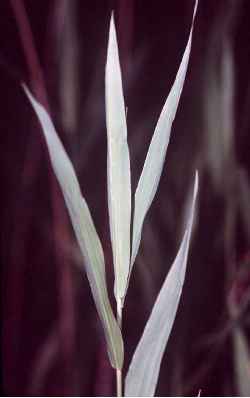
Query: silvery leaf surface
(118, 166)
(242, 362)
(85, 231)
(144, 369)
(152, 169)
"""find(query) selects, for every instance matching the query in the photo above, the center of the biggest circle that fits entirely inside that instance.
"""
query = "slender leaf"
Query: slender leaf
(151, 173)
(144, 369)
(242, 362)
(118, 165)
(85, 231)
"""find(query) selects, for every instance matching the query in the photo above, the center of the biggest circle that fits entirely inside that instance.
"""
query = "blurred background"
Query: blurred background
(52, 342)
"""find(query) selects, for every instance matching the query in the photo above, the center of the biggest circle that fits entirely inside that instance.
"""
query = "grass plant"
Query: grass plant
(142, 376)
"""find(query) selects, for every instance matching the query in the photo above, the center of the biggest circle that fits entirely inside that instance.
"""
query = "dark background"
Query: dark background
(52, 342)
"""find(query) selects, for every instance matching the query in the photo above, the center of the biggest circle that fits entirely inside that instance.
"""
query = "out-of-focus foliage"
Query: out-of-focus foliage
(46, 301)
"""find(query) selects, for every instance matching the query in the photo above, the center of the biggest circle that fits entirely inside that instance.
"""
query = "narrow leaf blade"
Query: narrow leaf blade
(118, 166)
(152, 170)
(85, 231)
(144, 369)
(242, 362)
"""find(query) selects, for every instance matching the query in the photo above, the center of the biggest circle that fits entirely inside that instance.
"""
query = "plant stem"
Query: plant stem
(118, 383)
(119, 371)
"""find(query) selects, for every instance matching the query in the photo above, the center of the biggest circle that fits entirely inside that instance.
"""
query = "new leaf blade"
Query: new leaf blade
(151, 173)
(144, 369)
(85, 232)
(118, 166)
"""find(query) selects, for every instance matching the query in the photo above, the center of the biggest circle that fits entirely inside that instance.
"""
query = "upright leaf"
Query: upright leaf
(144, 369)
(118, 164)
(242, 362)
(85, 231)
(155, 158)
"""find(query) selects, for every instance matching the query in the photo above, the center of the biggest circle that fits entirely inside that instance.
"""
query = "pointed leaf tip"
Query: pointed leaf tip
(85, 231)
(118, 166)
(143, 372)
(153, 166)
(195, 9)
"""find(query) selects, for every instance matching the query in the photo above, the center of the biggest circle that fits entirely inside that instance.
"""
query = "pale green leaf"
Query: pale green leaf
(85, 231)
(151, 173)
(118, 166)
(242, 362)
(144, 369)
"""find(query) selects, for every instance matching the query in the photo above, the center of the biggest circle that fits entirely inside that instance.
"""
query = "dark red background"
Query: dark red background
(52, 342)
